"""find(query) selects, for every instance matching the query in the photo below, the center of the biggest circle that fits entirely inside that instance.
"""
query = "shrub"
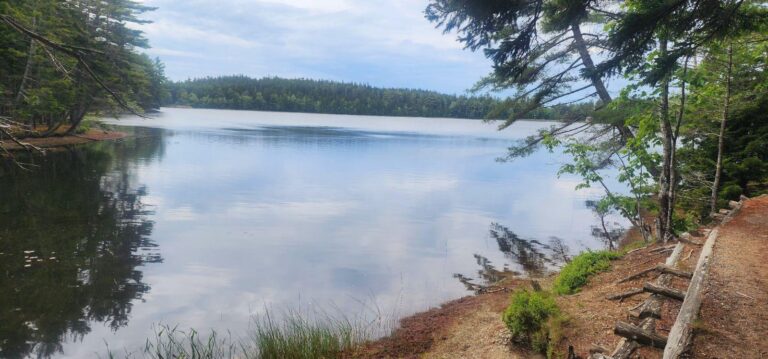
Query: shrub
(731, 192)
(532, 317)
(576, 273)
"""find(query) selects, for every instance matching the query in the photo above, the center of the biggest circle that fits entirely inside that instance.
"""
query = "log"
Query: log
(626, 294)
(689, 241)
(651, 308)
(597, 348)
(636, 275)
(640, 335)
(681, 333)
(724, 211)
(664, 290)
(626, 346)
(661, 249)
(674, 271)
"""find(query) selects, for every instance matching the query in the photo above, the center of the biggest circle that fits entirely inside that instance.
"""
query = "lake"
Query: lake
(204, 218)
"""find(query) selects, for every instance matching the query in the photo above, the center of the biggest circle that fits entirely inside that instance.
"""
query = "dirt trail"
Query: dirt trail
(734, 313)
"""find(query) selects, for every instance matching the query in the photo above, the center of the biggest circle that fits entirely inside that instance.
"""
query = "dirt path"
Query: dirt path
(734, 313)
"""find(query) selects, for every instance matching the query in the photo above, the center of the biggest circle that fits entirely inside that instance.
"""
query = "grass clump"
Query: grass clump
(298, 337)
(295, 335)
(535, 319)
(576, 273)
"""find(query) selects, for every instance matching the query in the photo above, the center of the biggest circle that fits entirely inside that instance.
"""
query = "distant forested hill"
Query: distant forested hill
(320, 96)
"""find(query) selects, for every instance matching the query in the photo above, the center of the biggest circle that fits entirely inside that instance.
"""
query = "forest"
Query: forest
(322, 96)
(63, 60)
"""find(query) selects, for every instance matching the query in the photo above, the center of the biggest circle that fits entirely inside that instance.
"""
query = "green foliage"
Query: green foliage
(745, 156)
(318, 96)
(44, 85)
(534, 318)
(575, 274)
(731, 192)
(298, 337)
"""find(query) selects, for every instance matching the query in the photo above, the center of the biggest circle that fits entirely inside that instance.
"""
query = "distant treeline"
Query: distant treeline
(320, 96)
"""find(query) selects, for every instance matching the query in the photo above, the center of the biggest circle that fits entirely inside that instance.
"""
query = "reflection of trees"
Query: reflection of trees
(531, 256)
(488, 275)
(89, 232)
(527, 253)
(607, 232)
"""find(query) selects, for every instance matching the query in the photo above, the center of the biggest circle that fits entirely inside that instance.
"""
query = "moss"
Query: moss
(576, 273)
(535, 319)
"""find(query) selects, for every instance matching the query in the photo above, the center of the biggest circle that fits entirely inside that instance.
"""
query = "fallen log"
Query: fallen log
(689, 241)
(627, 347)
(674, 271)
(661, 249)
(640, 335)
(664, 290)
(681, 333)
(597, 348)
(651, 308)
(626, 294)
(636, 275)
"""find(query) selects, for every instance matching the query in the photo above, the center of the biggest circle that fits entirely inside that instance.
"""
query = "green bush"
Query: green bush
(576, 273)
(532, 317)
(731, 192)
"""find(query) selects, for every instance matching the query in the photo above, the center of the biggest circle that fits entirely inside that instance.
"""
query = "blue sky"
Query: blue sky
(385, 43)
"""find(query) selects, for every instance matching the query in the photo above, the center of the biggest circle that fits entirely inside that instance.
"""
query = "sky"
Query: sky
(384, 43)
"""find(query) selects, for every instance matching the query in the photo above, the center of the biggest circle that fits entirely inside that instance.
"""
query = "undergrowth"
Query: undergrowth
(576, 273)
(533, 318)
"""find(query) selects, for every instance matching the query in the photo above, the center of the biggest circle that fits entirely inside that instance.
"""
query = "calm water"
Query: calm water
(206, 217)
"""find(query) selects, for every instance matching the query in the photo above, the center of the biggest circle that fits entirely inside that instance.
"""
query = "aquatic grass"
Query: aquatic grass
(297, 335)
(292, 334)
(576, 273)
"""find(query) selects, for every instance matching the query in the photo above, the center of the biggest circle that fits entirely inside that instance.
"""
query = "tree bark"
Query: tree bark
(667, 166)
(681, 332)
(597, 82)
(640, 335)
(27, 67)
(626, 294)
(663, 290)
(721, 135)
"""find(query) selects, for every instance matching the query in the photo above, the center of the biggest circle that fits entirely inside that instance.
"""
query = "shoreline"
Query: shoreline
(55, 142)
(472, 327)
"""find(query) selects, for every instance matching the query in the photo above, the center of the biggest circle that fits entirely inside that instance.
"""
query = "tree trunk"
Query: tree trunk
(721, 135)
(672, 196)
(27, 67)
(594, 78)
(665, 212)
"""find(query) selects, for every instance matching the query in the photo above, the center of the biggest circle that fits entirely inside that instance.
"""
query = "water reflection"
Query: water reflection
(607, 231)
(530, 257)
(73, 236)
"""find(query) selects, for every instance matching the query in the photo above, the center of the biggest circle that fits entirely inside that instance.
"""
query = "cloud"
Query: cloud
(383, 43)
